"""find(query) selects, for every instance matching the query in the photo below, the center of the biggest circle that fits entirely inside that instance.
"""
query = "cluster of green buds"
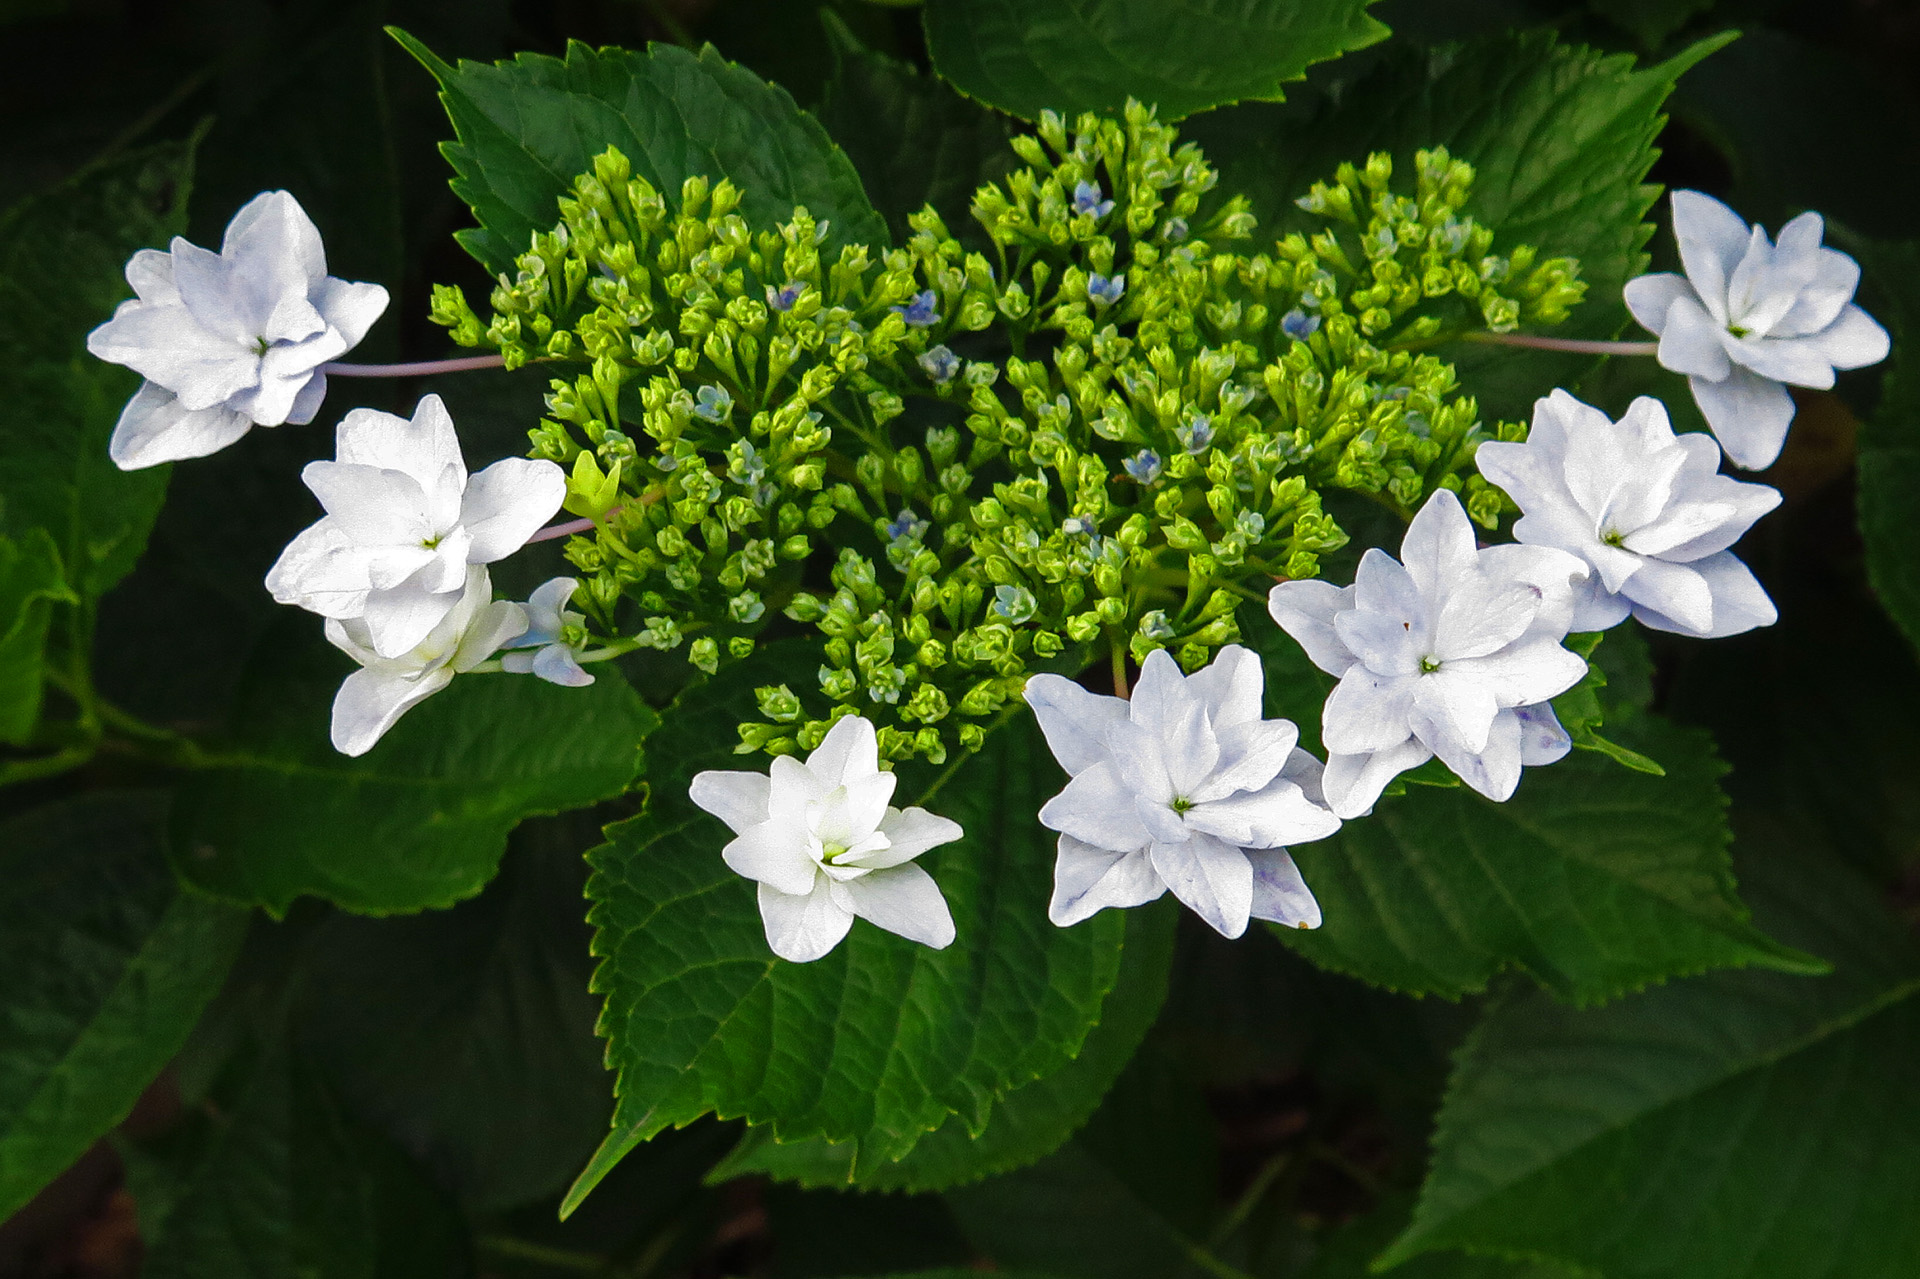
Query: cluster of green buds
(1097, 438)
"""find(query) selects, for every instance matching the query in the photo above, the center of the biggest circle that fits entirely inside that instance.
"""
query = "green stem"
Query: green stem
(1119, 656)
(29, 770)
(585, 1263)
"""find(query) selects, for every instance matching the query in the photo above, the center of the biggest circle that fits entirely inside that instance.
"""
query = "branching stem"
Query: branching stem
(421, 368)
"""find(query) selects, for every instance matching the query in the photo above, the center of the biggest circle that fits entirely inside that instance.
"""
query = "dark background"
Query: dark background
(1816, 106)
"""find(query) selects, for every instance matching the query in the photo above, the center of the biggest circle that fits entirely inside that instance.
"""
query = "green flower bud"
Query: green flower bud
(778, 703)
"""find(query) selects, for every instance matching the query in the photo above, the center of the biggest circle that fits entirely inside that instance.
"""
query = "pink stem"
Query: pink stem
(424, 368)
(1580, 346)
(568, 529)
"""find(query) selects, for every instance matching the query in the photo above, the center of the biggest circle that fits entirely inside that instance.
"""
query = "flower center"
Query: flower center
(1429, 664)
(260, 345)
(1738, 330)
(1613, 537)
(1180, 804)
(831, 852)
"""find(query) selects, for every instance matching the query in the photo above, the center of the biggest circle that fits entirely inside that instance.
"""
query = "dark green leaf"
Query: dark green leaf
(1092, 55)
(278, 1183)
(1738, 1126)
(30, 584)
(62, 258)
(1028, 1123)
(528, 127)
(1127, 1199)
(1889, 492)
(467, 1034)
(1560, 136)
(421, 820)
(913, 139)
(105, 965)
(883, 1039)
(1349, 1253)
(1595, 879)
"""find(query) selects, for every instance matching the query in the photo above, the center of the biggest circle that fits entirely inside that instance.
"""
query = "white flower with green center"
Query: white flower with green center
(404, 522)
(1183, 787)
(825, 846)
(1453, 652)
(230, 340)
(1751, 316)
(374, 697)
(1647, 509)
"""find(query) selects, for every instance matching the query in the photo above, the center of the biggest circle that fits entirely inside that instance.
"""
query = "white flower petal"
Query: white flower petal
(507, 503)
(1251, 755)
(1353, 782)
(323, 572)
(1305, 610)
(556, 664)
(1231, 687)
(849, 751)
(1280, 895)
(802, 928)
(155, 427)
(1088, 879)
(739, 799)
(1096, 808)
(1531, 671)
(1749, 415)
(1739, 602)
(1278, 814)
(1213, 878)
(1713, 239)
(371, 507)
(1073, 720)
(910, 832)
(400, 617)
(1650, 296)
(424, 447)
(1367, 712)
(1160, 697)
(1854, 340)
(1690, 341)
(349, 308)
(1542, 739)
(370, 701)
(1492, 768)
(905, 901)
(771, 853)
(1439, 546)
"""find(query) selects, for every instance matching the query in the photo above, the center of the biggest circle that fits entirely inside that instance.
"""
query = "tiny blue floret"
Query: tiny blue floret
(919, 313)
(1086, 200)
(1105, 291)
(1143, 466)
(1015, 603)
(1197, 435)
(1298, 325)
(713, 403)
(783, 298)
(940, 364)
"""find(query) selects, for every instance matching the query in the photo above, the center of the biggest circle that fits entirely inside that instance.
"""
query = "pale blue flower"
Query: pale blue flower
(1103, 291)
(713, 403)
(1197, 435)
(1143, 466)
(1015, 603)
(554, 660)
(1298, 325)
(783, 298)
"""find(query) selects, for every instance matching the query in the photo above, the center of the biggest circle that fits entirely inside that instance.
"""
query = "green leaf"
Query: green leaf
(1027, 1124)
(1889, 489)
(1092, 55)
(1560, 136)
(1737, 1126)
(1349, 1252)
(421, 820)
(1129, 1198)
(467, 1034)
(882, 1040)
(1594, 879)
(528, 127)
(913, 139)
(62, 260)
(277, 1182)
(105, 965)
(31, 583)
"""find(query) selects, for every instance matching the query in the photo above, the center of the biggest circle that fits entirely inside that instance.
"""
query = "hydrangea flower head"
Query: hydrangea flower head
(553, 659)
(1751, 316)
(1647, 510)
(1436, 652)
(230, 340)
(824, 845)
(374, 697)
(404, 522)
(1184, 788)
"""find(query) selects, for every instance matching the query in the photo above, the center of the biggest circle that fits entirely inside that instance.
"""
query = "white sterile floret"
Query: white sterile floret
(385, 688)
(1647, 510)
(1439, 655)
(230, 340)
(1184, 787)
(404, 522)
(824, 845)
(553, 659)
(1750, 315)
